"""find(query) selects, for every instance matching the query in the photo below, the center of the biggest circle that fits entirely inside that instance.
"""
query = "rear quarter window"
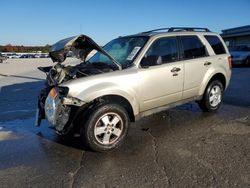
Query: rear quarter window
(216, 44)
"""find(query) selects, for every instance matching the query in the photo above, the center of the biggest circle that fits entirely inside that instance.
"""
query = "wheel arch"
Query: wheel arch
(217, 76)
(117, 99)
(221, 77)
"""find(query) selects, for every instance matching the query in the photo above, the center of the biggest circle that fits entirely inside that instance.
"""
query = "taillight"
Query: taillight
(230, 61)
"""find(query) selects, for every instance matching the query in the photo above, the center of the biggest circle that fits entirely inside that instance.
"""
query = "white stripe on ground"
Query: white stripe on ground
(8, 135)
(12, 111)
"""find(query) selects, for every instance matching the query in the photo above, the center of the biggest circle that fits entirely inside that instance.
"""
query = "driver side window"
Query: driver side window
(162, 51)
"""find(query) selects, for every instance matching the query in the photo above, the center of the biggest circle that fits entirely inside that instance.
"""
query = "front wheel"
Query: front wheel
(212, 97)
(106, 127)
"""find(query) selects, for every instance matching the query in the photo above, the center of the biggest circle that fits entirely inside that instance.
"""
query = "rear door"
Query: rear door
(196, 64)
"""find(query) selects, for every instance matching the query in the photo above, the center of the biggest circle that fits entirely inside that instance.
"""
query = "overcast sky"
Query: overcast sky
(41, 22)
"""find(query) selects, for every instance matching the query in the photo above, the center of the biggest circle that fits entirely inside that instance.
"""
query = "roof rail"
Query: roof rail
(161, 29)
(188, 29)
(173, 29)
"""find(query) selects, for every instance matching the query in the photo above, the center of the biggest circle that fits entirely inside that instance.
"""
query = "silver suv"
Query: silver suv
(129, 78)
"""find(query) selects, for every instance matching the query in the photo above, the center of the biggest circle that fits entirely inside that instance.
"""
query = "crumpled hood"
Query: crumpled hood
(80, 45)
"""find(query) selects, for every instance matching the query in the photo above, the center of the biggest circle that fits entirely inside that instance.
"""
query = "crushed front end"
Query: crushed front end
(57, 108)
(55, 111)
(54, 104)
(50, 106)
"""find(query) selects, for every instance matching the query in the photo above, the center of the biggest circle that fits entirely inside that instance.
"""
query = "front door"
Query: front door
(161, 74)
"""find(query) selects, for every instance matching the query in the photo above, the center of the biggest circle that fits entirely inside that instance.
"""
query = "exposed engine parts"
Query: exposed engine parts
(61, 73)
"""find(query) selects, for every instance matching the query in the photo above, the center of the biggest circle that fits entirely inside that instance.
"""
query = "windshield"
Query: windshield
(124, 50)
(240, 48)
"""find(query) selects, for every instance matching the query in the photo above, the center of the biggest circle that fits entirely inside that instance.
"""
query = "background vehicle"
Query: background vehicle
(240, 55)
(44, 55)
(27, 56)
(129, 78)
(2, 58)
(12, 55)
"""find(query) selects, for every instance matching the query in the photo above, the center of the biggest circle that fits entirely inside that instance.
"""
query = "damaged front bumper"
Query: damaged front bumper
(56, 109)
(56, 113)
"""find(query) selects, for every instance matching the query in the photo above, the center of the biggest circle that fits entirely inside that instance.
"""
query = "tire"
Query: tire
(106, 127)
(1, 60)
(212, 97)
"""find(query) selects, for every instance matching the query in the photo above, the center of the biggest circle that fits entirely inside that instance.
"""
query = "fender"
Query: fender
(103, 89)
(121, 83)
(208, 76)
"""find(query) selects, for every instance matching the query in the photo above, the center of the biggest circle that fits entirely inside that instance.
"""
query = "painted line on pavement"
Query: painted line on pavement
(12, 111)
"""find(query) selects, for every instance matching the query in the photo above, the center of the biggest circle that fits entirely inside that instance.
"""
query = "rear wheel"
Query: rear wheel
(212, 97)
(106, 127)
(1, 60)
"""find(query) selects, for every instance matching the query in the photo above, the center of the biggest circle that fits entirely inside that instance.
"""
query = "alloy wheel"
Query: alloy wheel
(215, 96)
(108, 128)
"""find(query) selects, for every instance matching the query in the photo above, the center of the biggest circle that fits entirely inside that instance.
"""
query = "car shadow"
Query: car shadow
(18, 103)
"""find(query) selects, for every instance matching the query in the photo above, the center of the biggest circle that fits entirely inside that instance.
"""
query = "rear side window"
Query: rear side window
(216, 44)
(192, 47)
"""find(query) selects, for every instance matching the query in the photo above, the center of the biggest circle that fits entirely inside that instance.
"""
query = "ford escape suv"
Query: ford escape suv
(129, 78)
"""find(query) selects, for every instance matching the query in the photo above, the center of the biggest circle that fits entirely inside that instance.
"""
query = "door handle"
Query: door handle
(175, 69)
(207, 63)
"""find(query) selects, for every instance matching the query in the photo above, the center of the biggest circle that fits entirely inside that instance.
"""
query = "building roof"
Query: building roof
(236, 31)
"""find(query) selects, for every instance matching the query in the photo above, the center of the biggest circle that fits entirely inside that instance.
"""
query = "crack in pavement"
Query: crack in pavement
(73, 174)
(156, 158)
(244, 120)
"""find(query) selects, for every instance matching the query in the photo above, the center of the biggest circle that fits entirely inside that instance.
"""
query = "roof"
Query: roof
(236, 31)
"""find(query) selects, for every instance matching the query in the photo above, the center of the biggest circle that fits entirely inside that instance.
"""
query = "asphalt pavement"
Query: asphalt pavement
(180, 147)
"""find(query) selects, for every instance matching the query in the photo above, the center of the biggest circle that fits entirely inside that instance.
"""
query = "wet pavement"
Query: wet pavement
(181, 147)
